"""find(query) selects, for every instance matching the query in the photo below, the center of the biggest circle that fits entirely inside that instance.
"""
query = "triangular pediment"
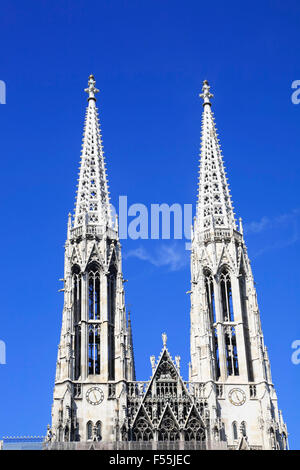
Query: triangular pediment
(76, 257)
(94, 255)
(168, 415)
(112, 256)
(192, 417)
(206, 259)
(226, 258)
(142, 414)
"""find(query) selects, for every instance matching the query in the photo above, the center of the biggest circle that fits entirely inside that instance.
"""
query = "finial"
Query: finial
(206, 95)
(164, 338)
(69, 224)
(152, 360)
(91, 90)
(241, 225)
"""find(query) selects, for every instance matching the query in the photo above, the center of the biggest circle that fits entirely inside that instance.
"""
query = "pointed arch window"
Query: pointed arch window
(216, 353)
(234, 430)
(226, 295)
(168, 430)
(89, 431)
(77, 320)
(243, 297)
(111, 304)
(142, 430)
(77, 341)
(94, 292)
(77, 294)
(243, 428)
(94, 349)
(210, 297)
(231, 351)
(98, 430)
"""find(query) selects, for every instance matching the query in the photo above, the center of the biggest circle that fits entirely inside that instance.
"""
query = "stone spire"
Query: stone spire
(92, 202)
(130, 344)
(214, 207)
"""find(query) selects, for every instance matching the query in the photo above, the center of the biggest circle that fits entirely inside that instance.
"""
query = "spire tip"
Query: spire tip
(206, 95)
(91, 90)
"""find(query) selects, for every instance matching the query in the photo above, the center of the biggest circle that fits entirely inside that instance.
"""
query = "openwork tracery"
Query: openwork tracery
(164, 411)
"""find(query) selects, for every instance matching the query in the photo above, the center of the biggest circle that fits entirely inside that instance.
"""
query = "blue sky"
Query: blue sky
(149, 59)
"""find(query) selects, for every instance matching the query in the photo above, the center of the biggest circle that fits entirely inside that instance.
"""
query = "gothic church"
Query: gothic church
(229, 401)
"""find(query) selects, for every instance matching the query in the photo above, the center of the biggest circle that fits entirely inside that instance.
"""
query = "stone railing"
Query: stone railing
(196, 389)
(219, 234)
(137, 389)
(140, 445)
(97, 230)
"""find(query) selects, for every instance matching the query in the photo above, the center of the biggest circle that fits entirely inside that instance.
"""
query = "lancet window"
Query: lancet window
(111, 304)
(94, 348)
(194, 431)
(243, 296)
(94, 292)
(231, 351)
(226, 295)
(168, 430)
(209, 287)
(142, 430)
(89, 431)
(234, 430)
(77, 320)
(93, 276)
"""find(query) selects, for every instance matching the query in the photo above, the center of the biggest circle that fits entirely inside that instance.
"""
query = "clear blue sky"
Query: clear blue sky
(149, 59)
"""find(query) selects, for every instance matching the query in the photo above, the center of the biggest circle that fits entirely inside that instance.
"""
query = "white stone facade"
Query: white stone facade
(227, 345)
(229, 400)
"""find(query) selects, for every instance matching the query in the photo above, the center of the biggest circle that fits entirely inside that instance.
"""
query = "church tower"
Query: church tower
(95, 355)
(228, 354)
(229, 400)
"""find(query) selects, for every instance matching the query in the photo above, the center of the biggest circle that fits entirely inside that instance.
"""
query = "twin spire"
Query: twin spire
(92, 201)
(214, 207)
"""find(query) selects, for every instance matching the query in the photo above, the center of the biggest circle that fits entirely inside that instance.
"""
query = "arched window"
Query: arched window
(210, 298)
(226, 295)
(142, 430)
(89, 431)
(111, 304)
(98, 430)
(216, 352)
(231, 351)
(77, 294)
(243, 296)
(77, 320)
(93, 319)
(243, 428)
(94, 292)
(209, 287)
(77, 342)
(234, 430)
(94, 348)
(168, 430)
